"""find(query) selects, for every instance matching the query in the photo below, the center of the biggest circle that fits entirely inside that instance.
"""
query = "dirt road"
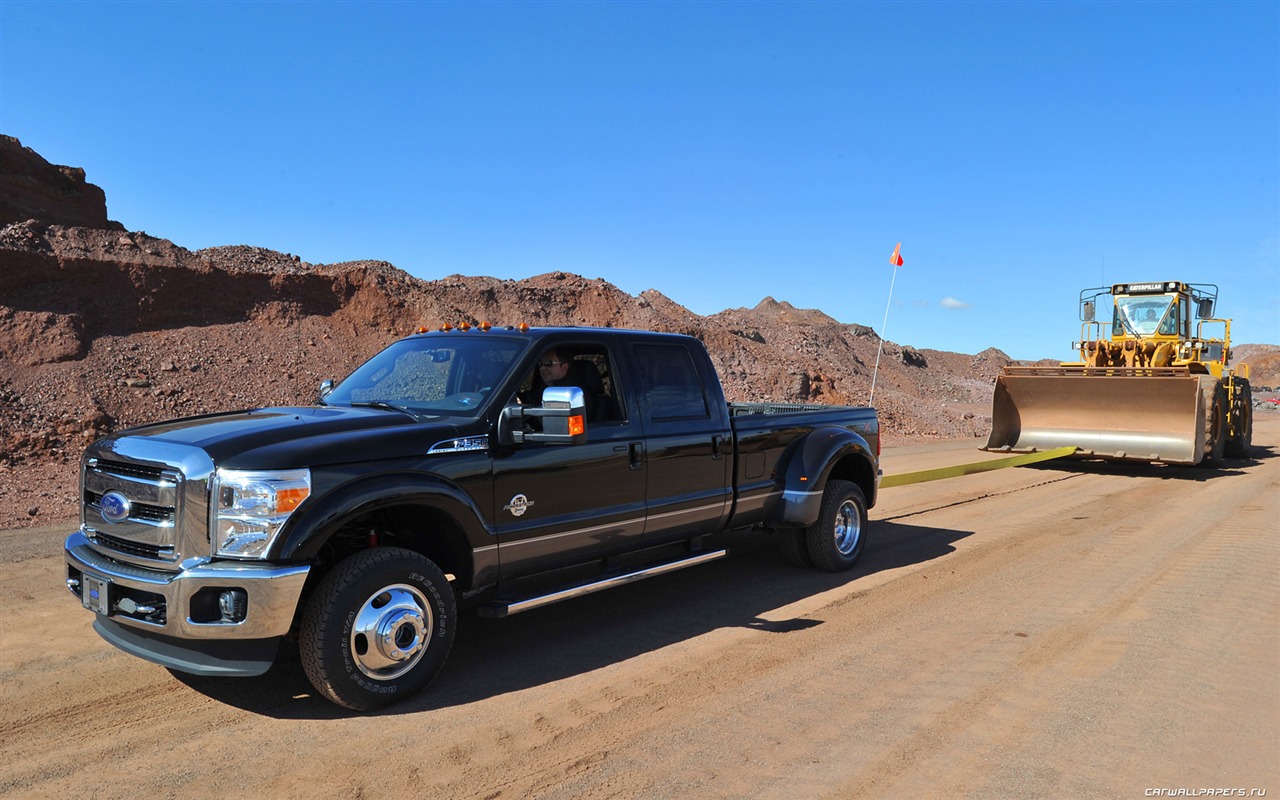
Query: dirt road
(1065, 630)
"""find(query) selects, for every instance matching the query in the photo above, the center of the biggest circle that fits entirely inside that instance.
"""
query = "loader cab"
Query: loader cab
(1169, 315)
(1151, 311)
(1148, 315)
(1138, 312)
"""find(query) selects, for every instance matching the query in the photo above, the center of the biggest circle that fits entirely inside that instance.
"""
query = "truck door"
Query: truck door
(688, 444)
(557, 504)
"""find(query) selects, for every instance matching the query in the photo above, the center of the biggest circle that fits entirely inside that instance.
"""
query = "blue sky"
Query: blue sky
(717, 152)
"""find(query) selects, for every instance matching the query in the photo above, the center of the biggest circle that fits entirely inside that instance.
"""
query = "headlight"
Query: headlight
(251, 506)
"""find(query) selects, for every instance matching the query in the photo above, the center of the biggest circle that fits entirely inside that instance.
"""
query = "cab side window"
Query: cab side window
(670, 382)
(586, 366)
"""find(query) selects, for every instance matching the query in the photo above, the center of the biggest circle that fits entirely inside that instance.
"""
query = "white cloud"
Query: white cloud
(952, 303)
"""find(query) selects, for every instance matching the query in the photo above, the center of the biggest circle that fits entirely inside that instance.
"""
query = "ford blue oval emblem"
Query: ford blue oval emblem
(115, 507)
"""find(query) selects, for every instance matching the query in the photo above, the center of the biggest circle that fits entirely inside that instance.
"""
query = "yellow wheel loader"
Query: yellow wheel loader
(1151, 384)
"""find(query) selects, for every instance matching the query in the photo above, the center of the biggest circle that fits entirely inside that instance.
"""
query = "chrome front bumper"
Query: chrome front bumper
(179, 601)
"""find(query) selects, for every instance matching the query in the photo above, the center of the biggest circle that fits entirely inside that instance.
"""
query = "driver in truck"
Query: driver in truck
(553, 369)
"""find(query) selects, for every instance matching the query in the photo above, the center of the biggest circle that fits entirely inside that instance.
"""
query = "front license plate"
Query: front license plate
(94, 594)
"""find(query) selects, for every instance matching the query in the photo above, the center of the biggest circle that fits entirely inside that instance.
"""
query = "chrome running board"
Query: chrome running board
(501, 608)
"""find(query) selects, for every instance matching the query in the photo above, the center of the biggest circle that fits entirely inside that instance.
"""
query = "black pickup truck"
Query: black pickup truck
(455, 464)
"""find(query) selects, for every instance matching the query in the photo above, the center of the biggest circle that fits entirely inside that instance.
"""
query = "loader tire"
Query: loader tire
(1241, 440)
(1216, 428)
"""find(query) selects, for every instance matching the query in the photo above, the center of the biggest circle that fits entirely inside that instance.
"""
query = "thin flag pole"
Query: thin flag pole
(896, 261)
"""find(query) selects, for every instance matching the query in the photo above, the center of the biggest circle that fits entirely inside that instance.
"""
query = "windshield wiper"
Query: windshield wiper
(1124, 320)
(384, 405)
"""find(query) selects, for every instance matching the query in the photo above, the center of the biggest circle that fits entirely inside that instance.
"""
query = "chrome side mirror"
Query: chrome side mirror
(563, 415)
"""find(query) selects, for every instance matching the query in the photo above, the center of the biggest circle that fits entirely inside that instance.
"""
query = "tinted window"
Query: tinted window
(670, 382)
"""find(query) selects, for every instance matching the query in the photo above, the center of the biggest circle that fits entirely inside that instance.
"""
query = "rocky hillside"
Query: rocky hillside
(32, 188)
(101, 328)
(1264, 364)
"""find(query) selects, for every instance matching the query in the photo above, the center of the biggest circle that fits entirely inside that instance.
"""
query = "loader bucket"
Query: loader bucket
(1133, 414)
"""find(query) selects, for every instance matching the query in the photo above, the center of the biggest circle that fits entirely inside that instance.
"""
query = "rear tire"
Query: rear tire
(794, 545)
(378, 628)
(1241, 441)
(836, 540)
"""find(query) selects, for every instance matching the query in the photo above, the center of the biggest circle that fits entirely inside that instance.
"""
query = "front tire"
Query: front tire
(378, 628)
(1216, 428)
(836, 540)
(1241, 441)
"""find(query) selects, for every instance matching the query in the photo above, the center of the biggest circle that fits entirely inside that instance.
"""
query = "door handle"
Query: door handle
(635, 452)
(717, 445)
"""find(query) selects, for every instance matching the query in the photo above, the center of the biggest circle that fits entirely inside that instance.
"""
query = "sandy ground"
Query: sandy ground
(1064, 630)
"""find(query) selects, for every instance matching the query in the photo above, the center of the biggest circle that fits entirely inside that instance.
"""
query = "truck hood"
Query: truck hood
(283, 438)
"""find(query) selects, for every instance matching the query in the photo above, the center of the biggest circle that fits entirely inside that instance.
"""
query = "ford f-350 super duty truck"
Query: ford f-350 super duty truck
(455, 464)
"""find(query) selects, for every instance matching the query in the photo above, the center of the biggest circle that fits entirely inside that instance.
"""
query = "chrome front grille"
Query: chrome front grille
(130, 548)
(147, 500)
(158, 495)
(140, 512)
(139, 471)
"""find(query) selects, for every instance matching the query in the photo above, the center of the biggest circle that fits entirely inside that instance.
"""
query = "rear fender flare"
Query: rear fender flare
(809, 466)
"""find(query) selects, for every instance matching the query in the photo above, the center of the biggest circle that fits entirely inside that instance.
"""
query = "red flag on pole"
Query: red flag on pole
(896, 261)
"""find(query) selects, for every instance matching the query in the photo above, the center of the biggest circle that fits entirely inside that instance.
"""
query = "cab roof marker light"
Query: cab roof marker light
(446, 327)
(485, 326)
(464, 326)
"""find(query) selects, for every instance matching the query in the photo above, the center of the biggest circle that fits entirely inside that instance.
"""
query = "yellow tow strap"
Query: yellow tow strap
(908, 478)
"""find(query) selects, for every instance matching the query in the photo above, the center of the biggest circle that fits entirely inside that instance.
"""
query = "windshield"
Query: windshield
(431, 374)
(1144, 315)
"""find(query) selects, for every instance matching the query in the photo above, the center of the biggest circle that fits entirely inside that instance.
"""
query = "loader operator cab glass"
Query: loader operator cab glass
(1144, 316)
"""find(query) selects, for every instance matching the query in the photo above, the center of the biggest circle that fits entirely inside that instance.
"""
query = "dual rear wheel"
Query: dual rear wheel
(836, 540)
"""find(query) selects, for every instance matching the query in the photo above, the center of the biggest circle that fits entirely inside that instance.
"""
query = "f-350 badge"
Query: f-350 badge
(518, 505)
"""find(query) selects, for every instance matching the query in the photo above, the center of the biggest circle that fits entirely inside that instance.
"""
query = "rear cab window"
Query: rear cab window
(670, 383)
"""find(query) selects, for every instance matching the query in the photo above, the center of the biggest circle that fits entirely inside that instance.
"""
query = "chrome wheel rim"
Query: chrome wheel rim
(848, 528)
(391, 632)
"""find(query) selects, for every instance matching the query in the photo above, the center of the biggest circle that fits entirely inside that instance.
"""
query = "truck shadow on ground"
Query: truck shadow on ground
(492, 657)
